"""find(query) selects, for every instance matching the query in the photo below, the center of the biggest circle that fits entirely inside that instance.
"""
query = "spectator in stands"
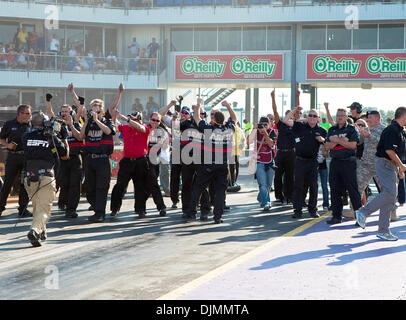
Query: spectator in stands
(41, 43)
(21, 59)
(135, 48)
(90, 60)
(151, 106)
(3, 57)
(32, 59)
(22, 37)
(54, 46)
(137, 106)
(2, 49)
(100, 62)
(33, 40)
(142, 64)
(111, 61)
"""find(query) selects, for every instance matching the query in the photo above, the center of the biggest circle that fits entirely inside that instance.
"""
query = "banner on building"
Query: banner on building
(358, 66)
(229, 67)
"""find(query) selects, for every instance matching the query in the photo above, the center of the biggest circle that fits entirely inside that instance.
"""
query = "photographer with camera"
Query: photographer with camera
(98, 132)
(41, 147)
(70, 170)
(10, 138)
(264, 137)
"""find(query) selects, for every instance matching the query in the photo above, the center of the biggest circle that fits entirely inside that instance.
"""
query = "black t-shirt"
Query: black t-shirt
(305, 138)
(286, 140)
(96, 141)
(75, 146)
(40, 150)
(190, 136)
(12, 131)
(391, 139)
(339, 152)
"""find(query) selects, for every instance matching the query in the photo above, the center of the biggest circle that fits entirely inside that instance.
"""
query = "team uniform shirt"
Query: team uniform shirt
(265, 153)
(97, 142)
(156, 140)
(391, 139)
(220, 141)
(305, 138)
(135, 142)
(75, 146)
(348, 131)
(12, 131)
(190, 135)
(286, 140)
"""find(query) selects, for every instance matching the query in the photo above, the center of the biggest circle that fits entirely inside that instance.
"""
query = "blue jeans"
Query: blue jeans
(323, 173)
(264, 178)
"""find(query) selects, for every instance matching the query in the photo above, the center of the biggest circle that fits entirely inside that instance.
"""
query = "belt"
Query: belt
(285, 150)
(97, 156)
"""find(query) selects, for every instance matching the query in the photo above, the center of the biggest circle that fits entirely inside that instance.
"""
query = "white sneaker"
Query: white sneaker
(360, 217)
(267, 207)
(389, 236)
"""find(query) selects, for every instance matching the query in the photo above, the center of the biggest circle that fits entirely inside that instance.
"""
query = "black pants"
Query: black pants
(153, 186)
(15, 163)
(283, 180)
(234, 170)
(305, 177)
(206, 173)
(189, 173)
(137, 171)
(98, 176)
(343, 176)
(176, 170)
(70, 172)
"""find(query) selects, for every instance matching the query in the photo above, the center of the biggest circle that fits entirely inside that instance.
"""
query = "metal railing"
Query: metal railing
(151, 4)
(52, 62)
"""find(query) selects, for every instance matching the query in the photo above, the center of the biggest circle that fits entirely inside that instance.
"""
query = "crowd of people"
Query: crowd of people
(28, 50)
(201, 152)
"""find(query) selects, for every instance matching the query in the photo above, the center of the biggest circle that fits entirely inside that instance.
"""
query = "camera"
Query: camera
(52, 127)
(179, 104)
(260, 125)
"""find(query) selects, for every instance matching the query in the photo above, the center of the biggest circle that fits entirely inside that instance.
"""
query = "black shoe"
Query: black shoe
(96, 218)
(62, 207)
(277, 202)
(24, 214)
(43, 236)
(218, 221)
(90, 208)
(226, 208)
(141, 214)
(297, 215)
(288, 201)
(314, 215)
(34, 238)
(334, 220)
(162, 212)
(175, 205)
(71, 214)
(304, 205)
(204, 217)
(190, 217)
(114, 213)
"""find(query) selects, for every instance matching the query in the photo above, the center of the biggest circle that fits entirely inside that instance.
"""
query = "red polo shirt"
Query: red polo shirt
(135, 142)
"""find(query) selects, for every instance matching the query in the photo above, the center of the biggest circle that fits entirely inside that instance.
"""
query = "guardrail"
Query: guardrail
(151, 4)
(52, 62)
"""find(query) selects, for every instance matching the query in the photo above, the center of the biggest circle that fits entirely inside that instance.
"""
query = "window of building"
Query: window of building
(391, 36)
(182, 39)
(7, 32)
(75, 38)
(365, 37)
(314, 37)
(338, 38)
(93, 39)
(110, 41)
(279, 38)
(91, 94)
(229, 39)
(9, 97)
(254, 38)
(205, 39)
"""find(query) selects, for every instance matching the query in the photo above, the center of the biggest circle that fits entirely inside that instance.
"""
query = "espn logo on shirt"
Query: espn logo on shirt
(37, 143)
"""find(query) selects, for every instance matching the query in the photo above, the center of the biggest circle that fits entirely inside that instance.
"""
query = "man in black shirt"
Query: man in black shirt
(356, 110)
(308, 137)
(389, 151)
(10, 138)
(285, 156)
(342, 140)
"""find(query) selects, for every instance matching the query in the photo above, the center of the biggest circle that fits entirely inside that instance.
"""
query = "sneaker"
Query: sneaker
(393, 216)
(227, 208)
(26, 213)
(314, 215)
(34, 238)
(114, 213)
(334, 220)
(267, 207)
(218, 221)
(325, 209)
(96, 218)
(297, 215)
(141, 214)
(71, 214)
(43, 236)
(360, 217)
(389, 236)
(162, 212)
(175, 205)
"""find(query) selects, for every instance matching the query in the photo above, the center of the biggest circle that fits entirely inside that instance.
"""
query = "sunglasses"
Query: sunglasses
(184, 112)
(27, 113)
(312, 116)
(360, 125)
(154, 120)
(202, 113)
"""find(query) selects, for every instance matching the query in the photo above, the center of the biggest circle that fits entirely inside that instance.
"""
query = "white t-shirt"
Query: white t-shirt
(54, 46)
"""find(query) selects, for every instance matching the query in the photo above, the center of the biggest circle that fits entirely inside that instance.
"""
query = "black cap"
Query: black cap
(356, 105)
(376, 112)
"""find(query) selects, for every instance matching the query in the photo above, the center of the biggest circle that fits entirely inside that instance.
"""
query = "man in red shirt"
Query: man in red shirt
(134, 163)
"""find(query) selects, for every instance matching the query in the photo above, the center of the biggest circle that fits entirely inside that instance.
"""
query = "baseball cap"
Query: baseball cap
(356, 105)
(376, 112)
(185, 108)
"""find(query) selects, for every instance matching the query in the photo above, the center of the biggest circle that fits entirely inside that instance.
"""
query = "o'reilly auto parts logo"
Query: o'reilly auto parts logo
(327, 65)
(194, 65)
(381, 64)
(243, 65)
